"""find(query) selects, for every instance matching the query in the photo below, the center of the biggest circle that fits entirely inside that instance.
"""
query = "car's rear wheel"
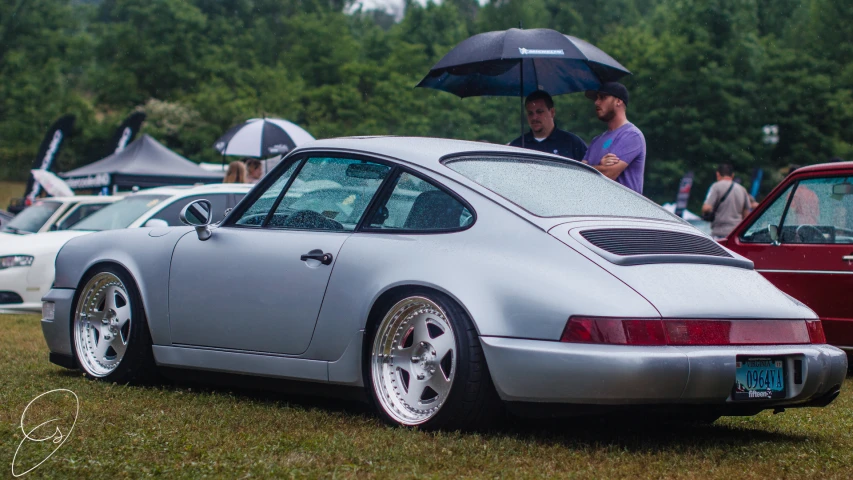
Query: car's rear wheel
(425, 366)
(110, 334)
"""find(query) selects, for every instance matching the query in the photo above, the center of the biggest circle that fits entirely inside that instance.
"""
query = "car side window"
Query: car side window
(758, 232)
(255, 215)
(218, 203)
(82, 211)
(821, 212)
(329, 193)
(417, 205)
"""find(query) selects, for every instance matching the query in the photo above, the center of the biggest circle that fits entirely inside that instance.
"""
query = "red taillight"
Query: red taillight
(815, 331)
(614, 331)
(633, 331)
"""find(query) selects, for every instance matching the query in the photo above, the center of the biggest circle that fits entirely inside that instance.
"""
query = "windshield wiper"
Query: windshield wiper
(16, 231)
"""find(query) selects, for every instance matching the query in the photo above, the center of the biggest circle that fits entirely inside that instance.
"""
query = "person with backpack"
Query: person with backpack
(727, 203)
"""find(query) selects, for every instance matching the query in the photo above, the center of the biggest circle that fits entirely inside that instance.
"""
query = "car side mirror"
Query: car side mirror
(773, 230)
(198, 214)
(156, 222)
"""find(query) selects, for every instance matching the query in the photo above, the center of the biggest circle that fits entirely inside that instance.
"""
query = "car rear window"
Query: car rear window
(551, 188)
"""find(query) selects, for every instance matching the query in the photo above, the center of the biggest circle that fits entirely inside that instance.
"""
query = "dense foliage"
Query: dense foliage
(708, 74)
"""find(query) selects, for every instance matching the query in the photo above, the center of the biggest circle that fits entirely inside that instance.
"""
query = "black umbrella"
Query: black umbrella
(516, 62)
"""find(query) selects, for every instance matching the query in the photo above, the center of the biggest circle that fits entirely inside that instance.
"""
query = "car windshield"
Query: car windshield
(120, 214)
(32, 218)
(551, 188)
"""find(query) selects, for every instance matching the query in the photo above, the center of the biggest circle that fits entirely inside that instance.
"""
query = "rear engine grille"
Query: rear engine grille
(7, 298)
(631, 241)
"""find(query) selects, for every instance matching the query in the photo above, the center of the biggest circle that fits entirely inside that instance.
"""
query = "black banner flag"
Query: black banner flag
(683, 194)
(53, 140)
(127, 131)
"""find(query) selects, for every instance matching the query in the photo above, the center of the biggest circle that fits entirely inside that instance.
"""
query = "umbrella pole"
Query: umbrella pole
(521, 96)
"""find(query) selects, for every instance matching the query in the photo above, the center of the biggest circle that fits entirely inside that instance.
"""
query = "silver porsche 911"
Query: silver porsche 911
(447, 279)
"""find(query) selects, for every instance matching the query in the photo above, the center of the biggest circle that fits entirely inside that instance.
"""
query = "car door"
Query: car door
(812, 257)
(258, 282)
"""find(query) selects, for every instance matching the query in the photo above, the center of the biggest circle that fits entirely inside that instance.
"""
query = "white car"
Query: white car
(53, 213)
(27, 261)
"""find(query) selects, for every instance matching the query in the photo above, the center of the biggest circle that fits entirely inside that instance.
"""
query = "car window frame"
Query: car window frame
(387, 190)
(303, 156)
(794, 184)
(767, 205)
(791, 199)
(75, 208)
(230, 220)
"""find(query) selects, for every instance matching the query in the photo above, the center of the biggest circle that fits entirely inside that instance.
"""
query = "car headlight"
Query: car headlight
(16, 261)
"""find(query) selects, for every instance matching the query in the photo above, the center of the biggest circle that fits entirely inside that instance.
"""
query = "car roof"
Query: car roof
(83, 198)
(423, 151)
(825, 168)
(186, 190)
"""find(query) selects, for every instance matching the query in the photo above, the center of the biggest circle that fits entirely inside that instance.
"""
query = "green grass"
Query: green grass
(176, 431)
(10, 190)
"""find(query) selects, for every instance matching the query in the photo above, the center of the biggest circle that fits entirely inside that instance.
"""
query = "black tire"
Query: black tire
(472, 403)
(136, 363)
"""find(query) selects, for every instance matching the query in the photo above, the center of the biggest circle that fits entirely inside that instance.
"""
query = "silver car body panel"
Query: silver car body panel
(268, 302)
(146, 257)
(518, 284)
(682, 290)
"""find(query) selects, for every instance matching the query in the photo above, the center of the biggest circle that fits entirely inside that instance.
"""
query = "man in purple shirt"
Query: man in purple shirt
(620, 152)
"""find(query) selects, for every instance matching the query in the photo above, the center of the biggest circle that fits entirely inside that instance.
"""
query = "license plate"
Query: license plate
(759, 378)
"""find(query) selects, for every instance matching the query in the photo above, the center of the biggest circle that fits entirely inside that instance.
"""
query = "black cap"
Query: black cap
(614, 89)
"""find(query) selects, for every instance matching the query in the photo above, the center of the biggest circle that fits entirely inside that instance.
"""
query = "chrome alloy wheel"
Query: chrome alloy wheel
(102, 323)
(413, 360)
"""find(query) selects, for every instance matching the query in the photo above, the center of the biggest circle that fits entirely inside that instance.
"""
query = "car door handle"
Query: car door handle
(324, 258)
(847, 258)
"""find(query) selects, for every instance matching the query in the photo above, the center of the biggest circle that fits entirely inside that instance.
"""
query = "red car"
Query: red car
(801, 239)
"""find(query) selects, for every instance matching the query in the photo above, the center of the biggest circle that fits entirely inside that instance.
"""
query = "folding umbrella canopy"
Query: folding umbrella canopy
(516, 62)
(54, 185)
(144, 163)
(262, 137)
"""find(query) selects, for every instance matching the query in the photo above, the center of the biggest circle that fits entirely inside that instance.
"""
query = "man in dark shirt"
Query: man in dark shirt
(543, 135)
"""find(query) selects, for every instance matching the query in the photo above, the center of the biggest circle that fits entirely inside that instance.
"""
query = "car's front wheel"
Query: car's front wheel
(110, 334)
(425, 365)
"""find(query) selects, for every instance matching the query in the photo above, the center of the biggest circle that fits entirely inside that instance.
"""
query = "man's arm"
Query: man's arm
(611, 169)
(626, 150)
(710, 199)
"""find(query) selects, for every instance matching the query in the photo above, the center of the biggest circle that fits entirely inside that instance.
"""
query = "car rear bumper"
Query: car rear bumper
(555, 372)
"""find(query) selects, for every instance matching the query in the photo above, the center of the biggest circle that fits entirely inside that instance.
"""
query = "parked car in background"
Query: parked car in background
(27, 261)
(801, 239)
(53, 213)
(444, 278)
